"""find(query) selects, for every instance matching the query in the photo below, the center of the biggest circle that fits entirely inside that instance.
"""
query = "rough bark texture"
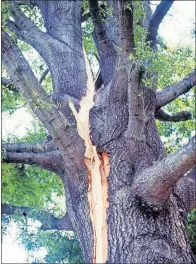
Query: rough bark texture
(121, 130)
(137, 232)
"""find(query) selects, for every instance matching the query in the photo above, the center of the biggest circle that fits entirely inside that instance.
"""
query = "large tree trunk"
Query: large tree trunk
(118, 215)
(137, 232)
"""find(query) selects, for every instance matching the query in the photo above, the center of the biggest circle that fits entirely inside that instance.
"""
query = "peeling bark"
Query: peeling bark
(98, 170)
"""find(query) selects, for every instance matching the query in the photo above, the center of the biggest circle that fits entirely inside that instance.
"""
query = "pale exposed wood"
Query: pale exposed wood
(98, 170)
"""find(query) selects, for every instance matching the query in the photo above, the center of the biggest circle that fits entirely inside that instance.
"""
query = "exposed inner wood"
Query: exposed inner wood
(98, 170)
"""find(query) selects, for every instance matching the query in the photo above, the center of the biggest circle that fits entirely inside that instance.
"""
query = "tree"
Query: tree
(127, 200)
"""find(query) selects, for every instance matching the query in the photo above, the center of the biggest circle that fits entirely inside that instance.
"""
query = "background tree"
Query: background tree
(127, 200)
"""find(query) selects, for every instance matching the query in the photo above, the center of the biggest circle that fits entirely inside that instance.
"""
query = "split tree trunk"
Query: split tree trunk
(112, 222)
(137, 232)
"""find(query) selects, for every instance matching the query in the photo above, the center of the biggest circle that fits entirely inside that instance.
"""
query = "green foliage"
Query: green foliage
(85, 6)
(29, 186)
(33, 12)
(61, 246)
(139, 12)
(170, 65)
(174, 135)
(89, 45)
(5, 11)
(191, 227)
(11, 101)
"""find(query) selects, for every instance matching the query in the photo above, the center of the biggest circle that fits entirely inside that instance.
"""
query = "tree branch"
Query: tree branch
(136, 108)
(98, 81)
(156, 20)
(126, 26)
(30, 147)
(48, 220)
(51, 161)
(154, 184)
(173, 91)
(98, 26)
(186, 187)
(27, 31)
(107, 53)
(9, 84)
(43, 76)
(46, 155)
(85, 17)
(172, 117)
(25, 80)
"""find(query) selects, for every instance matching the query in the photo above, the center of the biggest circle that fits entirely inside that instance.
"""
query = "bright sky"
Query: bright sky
(175, 29)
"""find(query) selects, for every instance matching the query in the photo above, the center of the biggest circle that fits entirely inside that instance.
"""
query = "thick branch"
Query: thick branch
(172, 117)
(155, 183)
(46, 155)
(27, 31)
(156, 20)
(186, 187)
(23, 77)
(173, 91)
(48, 220)
(98, 26)
(126, 26)
(51, 161)
(107, 52)
(29, 147)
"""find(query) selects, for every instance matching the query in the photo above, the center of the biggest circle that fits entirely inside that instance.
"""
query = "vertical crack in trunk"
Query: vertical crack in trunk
(98, 170)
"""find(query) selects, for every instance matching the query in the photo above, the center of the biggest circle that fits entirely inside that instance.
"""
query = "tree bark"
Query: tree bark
(107, 147)
(138, 231)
